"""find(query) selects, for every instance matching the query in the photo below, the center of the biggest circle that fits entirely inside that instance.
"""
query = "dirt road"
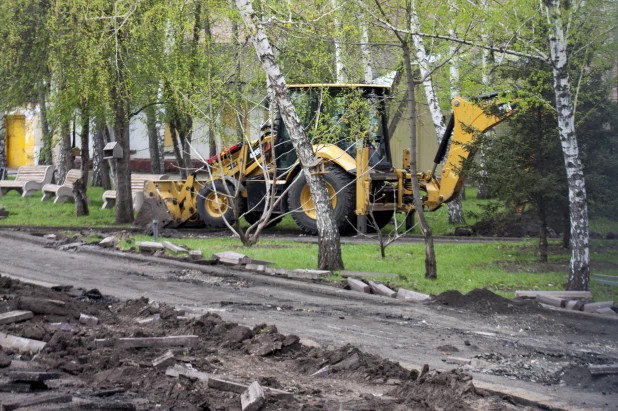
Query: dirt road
(529, 352)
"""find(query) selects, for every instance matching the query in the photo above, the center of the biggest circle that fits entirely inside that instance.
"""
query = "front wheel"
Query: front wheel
(342, 190)
(216, 203)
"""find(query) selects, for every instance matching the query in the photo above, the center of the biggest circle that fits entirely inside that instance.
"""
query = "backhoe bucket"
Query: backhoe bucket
(153, 209)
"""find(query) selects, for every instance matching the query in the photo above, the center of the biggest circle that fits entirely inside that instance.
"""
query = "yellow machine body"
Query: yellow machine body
(375, 191)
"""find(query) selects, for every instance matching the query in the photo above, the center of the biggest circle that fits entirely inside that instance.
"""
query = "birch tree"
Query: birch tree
(329, 256)
(455, 208)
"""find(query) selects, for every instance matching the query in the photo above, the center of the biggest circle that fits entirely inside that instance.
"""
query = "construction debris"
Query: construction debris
(603, 369)
(574, 305)
(174, 247)
(149, 246)
(231, 258)
(381, 289)
(172, 341)
(50, 237)
(15, 316)
(593, 307)
(564, 294)
(458, 360)
(88, 320)
(20, 343)
(31, 376)
(164, 361)
(357, 285)
(550, 300)
(253, 398)
(407, 295)
(41, 305)
(195, 255)
(109, 242)
(177, 370)
(38, 400)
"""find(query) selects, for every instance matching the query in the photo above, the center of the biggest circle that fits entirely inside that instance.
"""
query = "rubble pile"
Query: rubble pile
(78, 349)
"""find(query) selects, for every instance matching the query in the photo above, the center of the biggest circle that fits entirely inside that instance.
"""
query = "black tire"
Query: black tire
(214, 212)
(254, 216)
(382, 219)
(344, 210)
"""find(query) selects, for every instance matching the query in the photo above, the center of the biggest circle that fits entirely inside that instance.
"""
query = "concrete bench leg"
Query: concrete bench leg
(108, 203)
(47, 195)
(28, 193)
(62, 199)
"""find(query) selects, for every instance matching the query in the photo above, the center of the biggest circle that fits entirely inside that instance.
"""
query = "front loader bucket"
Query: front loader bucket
(153, 209)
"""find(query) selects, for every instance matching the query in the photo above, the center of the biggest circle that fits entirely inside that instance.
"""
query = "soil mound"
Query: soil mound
(485, 302)
(438, 390)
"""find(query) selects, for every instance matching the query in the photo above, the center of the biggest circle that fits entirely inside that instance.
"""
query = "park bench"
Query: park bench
(137, 190)
(28, 180)
(64, 191)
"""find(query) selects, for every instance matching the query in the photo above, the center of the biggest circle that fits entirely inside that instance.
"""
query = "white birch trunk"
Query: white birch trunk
(423, 62)
(486, 78)
(328, 235)
(342, 77)
(365, 49)
(455, 207)
(3, 162)
(580, 258)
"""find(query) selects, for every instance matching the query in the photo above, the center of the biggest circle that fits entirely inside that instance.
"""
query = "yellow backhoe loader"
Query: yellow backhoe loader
(355, 155)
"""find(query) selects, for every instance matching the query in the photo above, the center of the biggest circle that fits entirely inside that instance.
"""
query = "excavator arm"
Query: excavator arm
(469, 120)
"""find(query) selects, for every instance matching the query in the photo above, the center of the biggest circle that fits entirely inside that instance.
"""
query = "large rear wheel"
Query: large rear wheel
(216, 204)
(342, 190)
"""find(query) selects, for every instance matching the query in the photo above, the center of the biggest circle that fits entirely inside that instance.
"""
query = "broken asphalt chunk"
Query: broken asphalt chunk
(253, 398)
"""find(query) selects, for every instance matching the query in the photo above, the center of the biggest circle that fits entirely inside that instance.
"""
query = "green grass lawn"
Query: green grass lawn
(500, 267)
(31, 211)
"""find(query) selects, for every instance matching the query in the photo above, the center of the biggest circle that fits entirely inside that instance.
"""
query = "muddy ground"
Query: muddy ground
(515, 346)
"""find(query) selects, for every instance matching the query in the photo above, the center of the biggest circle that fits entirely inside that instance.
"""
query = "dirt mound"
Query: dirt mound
(484, 302)
(439, 390)
(351, 363)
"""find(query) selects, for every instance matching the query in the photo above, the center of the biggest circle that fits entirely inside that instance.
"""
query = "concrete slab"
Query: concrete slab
(149, 246)
(253, 398)
(308, 274)
(109, 242)
(195, 255)
(88, 320)
(358, 285)
(407, 295)
(381, 289)
(551, 300)
(559, 294)
(20, 344)
(38, 400)
(174, 247)
(232, 258)
(593, 307)
(172, 341)
(15, 316)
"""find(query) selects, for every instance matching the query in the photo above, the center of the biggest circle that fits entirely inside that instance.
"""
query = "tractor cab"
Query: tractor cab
(349, 116)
